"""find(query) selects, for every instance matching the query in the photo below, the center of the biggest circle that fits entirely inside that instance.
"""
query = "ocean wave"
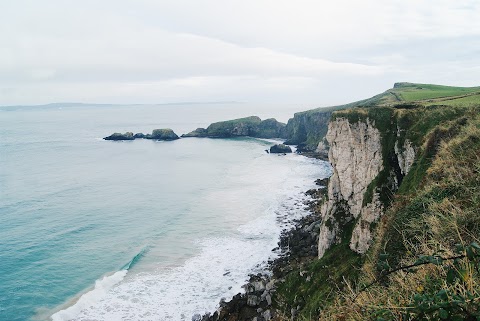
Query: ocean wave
(218, 270)
(90, 298)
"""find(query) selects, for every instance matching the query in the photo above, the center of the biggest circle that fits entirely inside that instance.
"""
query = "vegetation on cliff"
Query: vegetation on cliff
(424, 262)
(309, 127)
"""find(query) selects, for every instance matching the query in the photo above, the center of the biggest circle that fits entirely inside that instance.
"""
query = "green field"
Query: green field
(413, 92)
(473, 99)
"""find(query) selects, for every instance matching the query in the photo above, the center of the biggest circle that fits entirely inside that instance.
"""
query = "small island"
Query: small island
(251, 126)
(157, 134)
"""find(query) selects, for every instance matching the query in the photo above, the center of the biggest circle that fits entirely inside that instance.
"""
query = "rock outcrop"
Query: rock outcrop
(120, 136)
(358, 157)
(251, 126)
(162, 134)
(308, 128)
(405, 155)
(157, 134)
(280, 149)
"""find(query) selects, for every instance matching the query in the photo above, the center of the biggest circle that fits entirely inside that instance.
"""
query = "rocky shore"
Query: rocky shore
(297, 246)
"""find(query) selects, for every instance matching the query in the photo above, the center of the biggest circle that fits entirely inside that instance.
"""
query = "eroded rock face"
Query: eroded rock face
(307, 128)
(355, 152)
(405, 155)
(356, 157)
(362, 233)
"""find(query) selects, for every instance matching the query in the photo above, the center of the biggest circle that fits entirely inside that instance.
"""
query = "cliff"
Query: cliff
(356, 157)
(398, 229)
(308, 128)
(402, 195)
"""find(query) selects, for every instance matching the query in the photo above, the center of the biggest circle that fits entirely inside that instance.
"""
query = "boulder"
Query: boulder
(280, 149)
(120, 136)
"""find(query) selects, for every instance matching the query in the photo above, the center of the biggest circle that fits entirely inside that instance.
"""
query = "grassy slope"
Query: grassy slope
(445, 125)
(414, 92)
(441, 211)
(402, 93)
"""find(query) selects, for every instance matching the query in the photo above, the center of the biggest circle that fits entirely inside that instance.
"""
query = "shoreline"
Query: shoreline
(298, 245)
(291, 207)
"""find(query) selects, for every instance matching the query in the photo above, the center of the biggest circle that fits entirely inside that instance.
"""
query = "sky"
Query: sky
(276, 51)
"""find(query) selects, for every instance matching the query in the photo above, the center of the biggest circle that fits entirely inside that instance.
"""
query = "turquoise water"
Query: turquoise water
(138, 230)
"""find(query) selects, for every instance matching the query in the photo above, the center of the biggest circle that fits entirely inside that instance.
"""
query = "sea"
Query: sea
(138, 230)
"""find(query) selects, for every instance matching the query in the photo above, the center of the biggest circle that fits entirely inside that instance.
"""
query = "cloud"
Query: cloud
(157, 51)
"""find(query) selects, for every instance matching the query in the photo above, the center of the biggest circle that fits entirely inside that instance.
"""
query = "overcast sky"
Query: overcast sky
(296, 51)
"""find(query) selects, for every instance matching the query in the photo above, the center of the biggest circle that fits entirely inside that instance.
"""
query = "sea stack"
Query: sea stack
(280, 149)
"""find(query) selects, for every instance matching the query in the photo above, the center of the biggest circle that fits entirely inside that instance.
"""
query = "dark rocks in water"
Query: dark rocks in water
(196, 317)
(322, 181)
(158, 134)
(303, 148)
(280, 149)
(120, 136)
(308, 151)
(297, 247)
(254, 304)
(163, 134)
(251, 126)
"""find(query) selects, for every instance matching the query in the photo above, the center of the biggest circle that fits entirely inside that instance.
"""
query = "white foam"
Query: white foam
(176, 294)
(217, 271)
(91, 297)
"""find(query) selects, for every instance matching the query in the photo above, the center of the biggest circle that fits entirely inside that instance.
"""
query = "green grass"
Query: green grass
(438, 208)
(446, 135)
(403, 95)
(416, 92)
(473, 99)
(320, 282)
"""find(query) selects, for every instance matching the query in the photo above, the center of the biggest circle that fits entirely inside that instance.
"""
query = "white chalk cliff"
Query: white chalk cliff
(356, 157)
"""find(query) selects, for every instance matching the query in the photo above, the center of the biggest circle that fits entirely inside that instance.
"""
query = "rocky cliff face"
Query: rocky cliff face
(357, 157)
(308, 128)
(355, 154)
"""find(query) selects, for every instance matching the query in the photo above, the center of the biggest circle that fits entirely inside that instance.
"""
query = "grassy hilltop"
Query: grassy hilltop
(424, 263)
(309, 127)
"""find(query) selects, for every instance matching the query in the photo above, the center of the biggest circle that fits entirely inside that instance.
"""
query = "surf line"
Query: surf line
(99, 291)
